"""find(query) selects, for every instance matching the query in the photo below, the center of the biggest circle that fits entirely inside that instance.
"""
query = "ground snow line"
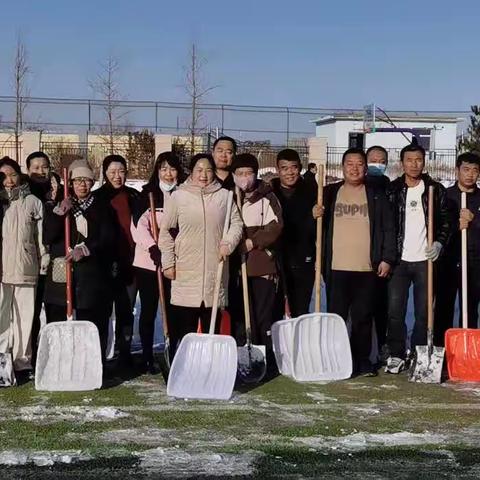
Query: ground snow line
(41, 459)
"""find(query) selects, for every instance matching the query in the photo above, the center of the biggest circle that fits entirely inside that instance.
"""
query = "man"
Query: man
(224, 148)
(297, 242)
(449, 266)
(377, 161)
(310, 175)
(359, 231)
(409, 196)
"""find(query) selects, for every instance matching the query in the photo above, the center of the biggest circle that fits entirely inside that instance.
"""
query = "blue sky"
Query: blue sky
(403, 55)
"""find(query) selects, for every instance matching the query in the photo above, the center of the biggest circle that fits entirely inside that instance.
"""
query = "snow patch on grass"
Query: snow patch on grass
(320, 397)
(41, 459)
(41, 413)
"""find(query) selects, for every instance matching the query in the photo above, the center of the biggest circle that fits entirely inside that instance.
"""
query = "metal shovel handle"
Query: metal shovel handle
(218, 280)
(68, 264)
(161, 287)
(430, 262)
(318, 250)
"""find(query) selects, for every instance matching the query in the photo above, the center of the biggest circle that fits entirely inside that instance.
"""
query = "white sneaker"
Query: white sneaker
(394, 365)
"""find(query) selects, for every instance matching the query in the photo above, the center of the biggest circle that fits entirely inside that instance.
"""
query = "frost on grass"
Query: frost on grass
(41, 459)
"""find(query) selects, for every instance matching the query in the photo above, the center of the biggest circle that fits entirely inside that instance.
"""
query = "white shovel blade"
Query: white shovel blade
(69, 357)
(321, 348)
(282, 341)
(7, 374)
(204, 367)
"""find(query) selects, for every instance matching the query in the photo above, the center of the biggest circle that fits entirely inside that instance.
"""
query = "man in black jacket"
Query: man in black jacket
(297, 242)
(359, 243)
(310, 175)
(449, 265)
(409, 196)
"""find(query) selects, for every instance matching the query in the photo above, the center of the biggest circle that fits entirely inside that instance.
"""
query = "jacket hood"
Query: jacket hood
(262, 190)
(196, 190)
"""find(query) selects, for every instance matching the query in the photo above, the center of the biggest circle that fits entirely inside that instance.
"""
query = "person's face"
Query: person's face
(167, 173)
(202, 173)
(413, 164)
(39, 168)
(314, 170)
(467, 174)
(288, 172)
(82, 187)
(223, 154)
(12, 178)
(116, 174)
(377, 156)
(354, 169)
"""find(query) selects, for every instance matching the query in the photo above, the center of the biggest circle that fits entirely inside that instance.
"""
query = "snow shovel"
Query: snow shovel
(429, 359)
(7, 374)
(205, 365)
(321, 346)
(462, 345)
(69, 355)
(161, 288)
(252, 363)
(282, 341)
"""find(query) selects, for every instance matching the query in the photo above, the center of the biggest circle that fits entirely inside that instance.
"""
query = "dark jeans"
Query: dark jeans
(98, 315)
(380, 310)
(147, 285)
(185, 320)
(299, 281)
(123, 317)
(353, 293)
(403, 275)
(449, 283)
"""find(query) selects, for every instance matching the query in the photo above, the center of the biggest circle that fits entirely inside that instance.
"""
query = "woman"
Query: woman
(91, 251)
(167, 173)
(122, 199)
(23, 254)
(191, 243)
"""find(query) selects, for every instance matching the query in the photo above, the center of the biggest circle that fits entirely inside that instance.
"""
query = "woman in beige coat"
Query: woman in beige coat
(191, 244)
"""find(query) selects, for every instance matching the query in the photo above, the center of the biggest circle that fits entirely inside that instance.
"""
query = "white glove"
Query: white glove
(44, 263)
(432, 253)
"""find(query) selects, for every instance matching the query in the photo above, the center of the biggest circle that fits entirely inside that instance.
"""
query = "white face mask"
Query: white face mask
(167, 187)
(244, 183)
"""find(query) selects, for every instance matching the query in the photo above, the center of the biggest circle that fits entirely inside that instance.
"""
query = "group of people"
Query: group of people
(374, 248)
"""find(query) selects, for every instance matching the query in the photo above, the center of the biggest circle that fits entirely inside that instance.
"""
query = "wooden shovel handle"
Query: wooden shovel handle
(430, 262)
(68, 264)
(318, 254)
(161, 288)
(464, 268)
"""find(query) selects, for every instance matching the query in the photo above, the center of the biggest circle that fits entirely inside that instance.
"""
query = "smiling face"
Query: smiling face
(12, 178)
(354, 169)
(167, 174)
(223, 154)
(202, 173)
(288, 173)
(82, 187)
(116, 174)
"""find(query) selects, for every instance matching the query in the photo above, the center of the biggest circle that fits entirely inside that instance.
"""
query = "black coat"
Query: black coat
(297, 241)
(309, 178)
(397, 194)
(382, 227)
(92, 276)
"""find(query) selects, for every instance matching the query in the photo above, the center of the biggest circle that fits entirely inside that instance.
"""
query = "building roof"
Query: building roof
(394, 118)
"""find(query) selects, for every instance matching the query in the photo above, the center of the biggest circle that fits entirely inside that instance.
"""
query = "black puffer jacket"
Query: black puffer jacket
(382, 227)
(397, 194)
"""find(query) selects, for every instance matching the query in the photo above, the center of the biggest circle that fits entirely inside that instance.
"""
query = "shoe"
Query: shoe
(395, 365)
(150, 368)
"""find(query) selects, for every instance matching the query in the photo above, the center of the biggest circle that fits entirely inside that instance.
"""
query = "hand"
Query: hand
(224, 251)
(170, 273)
(434, 251)
(155, 255)
(466, 214)
(77, 253)
(63, 207)
(44, 263)
(383, 269)
(318, 211)
(463, 224)
(248, 245)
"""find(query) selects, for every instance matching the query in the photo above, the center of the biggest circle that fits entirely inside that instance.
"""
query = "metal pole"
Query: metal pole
(223, 117)
(89, 115)
(288, 125)
(156, 117)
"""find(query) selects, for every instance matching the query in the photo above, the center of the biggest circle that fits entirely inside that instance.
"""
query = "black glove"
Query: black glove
(155, 255)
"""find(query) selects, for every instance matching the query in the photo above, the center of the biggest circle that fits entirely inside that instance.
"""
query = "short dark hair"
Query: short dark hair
(200, 156)
(311, 165)
(37, 155)
(412, 147)
(467, 157)
(290, 155)
(226, 139)
(171, 159)
(380, 149)
(7, 161)
(354, 151)
(110, 159)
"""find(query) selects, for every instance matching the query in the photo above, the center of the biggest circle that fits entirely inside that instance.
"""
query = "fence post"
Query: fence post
(223, 116)
(89, 115)
(288, 125)
(156, 117)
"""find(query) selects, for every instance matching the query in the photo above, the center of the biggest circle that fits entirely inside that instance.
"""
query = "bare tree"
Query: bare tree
(196, 91)
(21, 70)
(105, 84)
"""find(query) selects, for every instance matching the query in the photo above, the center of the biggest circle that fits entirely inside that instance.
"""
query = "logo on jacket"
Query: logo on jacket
(413, 204)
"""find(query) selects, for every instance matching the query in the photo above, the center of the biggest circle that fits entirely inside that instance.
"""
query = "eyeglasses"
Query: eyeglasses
(80, 180)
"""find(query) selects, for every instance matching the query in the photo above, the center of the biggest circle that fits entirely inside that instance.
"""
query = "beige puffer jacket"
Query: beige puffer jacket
(198, 214)
(23, 251)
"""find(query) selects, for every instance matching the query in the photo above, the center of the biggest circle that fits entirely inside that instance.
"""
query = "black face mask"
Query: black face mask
(42, 179)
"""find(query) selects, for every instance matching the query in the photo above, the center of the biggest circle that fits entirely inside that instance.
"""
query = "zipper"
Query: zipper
(204, 246)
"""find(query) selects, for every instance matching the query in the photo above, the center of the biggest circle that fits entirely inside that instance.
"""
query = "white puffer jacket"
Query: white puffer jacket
(23, 252)
(198, 214)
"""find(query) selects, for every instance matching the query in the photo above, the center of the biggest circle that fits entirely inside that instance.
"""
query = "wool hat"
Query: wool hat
(80, 169)
(245, 160)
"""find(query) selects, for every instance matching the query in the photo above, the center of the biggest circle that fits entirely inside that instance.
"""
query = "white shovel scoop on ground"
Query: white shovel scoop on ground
(205, 366)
